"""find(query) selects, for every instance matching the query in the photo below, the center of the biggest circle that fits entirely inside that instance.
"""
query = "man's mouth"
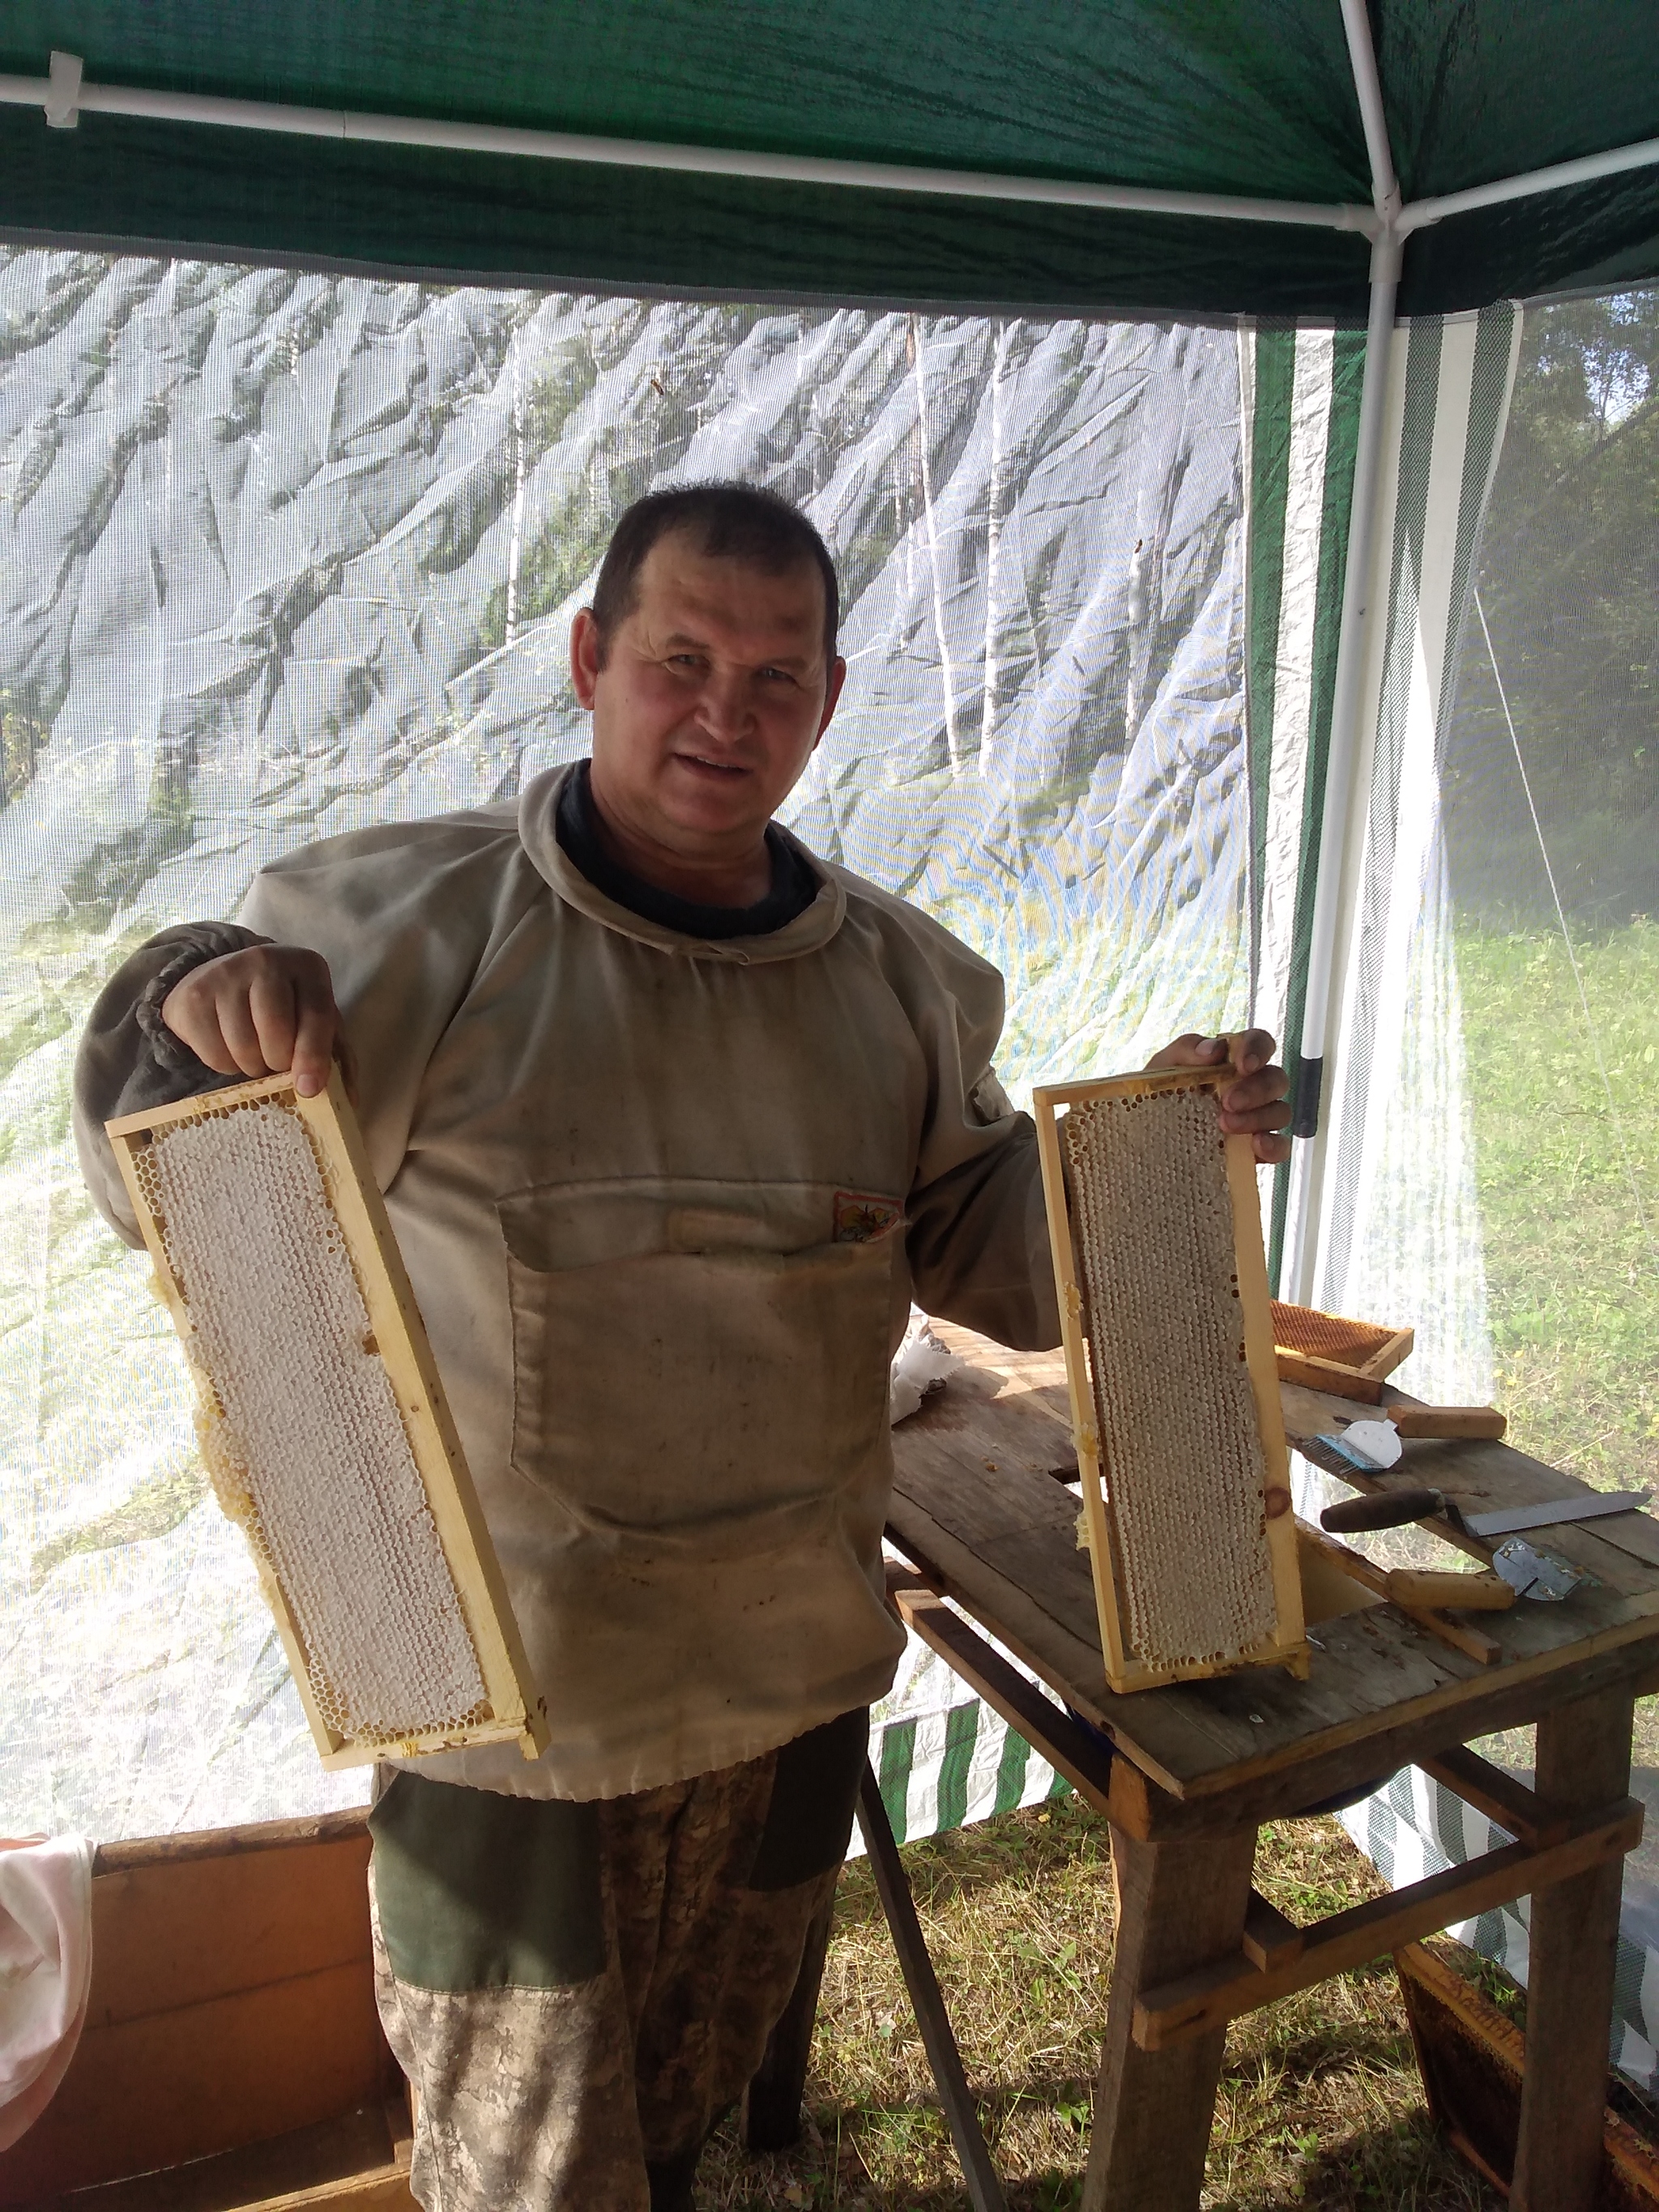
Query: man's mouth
(702, 764)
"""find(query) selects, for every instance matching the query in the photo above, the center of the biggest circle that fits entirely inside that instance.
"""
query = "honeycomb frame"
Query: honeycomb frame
(441, 1549)
(1131, 1395)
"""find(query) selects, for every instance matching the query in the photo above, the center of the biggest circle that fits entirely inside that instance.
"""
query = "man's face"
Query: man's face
(713, 695)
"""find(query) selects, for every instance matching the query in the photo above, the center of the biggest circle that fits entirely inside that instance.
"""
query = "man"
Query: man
(672, 1119)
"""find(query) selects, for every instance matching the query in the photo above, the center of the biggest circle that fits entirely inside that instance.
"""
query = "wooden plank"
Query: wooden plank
(164, 2088)
(1198, 2003)
(386, 2191)
(1178, 1903)
(1013, 1615)
(1270, 1939)
(170, 1934)
(1582, 1759)
(1105, 1566)
(887, 1869)
(360, 2150)
(399, 1340)
(1401, 1590)
(222, 1842)
(1313, 1373)
(1046, 1726)
(232, 2000)
(1139, 1805)
(1520, 1811)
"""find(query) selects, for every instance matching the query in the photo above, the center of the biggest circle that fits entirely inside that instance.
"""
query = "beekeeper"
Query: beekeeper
(673, 1120)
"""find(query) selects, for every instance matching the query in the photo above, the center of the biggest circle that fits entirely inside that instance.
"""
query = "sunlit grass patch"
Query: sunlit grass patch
(1320, 2105)
(1566, 1123)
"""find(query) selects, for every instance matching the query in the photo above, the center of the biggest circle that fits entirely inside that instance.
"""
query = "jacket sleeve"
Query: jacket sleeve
(129, 1059)
(978, 1234)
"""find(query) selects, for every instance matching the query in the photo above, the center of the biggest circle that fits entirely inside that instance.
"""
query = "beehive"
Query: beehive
(323, 1421)
(1164, 1306)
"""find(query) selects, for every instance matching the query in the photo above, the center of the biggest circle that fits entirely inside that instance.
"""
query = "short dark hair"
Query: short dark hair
(728, 521)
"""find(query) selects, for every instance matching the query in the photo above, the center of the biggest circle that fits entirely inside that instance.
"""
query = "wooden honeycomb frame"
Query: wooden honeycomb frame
(1285, 1645)
(1326, 1351)
(514, 1713)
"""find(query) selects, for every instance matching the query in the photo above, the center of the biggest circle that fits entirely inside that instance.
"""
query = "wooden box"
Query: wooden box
(232, 2056)
(1472, 2060)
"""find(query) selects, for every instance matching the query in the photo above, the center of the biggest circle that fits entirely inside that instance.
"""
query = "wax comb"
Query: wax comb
(1165, 1309)
(323, 1420)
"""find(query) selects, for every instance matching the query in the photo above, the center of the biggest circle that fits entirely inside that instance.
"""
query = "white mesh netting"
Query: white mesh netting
(1153, 1226)
(302, 1432)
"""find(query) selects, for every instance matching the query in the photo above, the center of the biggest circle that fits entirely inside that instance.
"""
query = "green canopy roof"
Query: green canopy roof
(1237, 98)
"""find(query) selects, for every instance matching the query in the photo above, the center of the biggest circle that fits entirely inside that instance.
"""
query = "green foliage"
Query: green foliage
(23, 739)
(1570, 578)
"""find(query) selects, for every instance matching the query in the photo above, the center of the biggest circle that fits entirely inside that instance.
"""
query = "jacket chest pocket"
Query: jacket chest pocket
(679, 1382)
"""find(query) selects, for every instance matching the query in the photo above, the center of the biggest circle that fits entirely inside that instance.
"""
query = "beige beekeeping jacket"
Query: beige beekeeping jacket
(664, 1203)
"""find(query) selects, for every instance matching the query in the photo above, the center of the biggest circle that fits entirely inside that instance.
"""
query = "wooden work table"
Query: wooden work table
(978, 1509)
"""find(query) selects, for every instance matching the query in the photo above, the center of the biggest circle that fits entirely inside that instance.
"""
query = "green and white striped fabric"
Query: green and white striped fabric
(944, 1758)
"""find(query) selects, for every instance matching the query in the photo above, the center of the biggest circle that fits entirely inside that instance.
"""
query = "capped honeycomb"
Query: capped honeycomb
(299, 1423)
(1180, 1438)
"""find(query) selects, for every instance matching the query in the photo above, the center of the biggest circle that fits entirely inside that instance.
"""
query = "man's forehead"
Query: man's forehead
(681, 587)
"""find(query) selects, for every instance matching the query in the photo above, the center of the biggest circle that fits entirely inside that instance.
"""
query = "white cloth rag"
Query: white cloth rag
(45, 1971)
(921, 1365)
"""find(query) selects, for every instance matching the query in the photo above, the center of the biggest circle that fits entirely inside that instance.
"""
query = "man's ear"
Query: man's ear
(585, 657)
(831, 694)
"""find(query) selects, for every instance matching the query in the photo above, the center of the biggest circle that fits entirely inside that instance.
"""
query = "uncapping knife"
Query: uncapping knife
(1392, 1508)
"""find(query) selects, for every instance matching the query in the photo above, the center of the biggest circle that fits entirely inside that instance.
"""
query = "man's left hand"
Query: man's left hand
(1257, 1104)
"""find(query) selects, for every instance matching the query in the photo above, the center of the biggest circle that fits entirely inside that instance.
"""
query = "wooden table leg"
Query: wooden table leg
(1583, 1761)
(1179, 1905)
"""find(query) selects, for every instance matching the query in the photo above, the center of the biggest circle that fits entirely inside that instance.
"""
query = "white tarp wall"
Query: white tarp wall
(282, 554)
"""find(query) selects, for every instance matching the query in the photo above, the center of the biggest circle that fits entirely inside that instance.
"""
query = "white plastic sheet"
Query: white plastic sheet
(282, 554)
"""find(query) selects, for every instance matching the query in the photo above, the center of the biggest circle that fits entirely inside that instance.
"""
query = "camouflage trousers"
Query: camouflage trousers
(578, 1992)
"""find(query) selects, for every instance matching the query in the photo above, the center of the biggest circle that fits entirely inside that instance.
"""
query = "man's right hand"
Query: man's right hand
(261, 1011)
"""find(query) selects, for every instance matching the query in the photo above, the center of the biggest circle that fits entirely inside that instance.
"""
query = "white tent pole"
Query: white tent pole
(1359, 583)
(65, 96)
(1584, 171)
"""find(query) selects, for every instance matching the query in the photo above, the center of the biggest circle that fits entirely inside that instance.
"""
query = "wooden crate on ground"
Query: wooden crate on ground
(232, 2056)
(1471, 2059)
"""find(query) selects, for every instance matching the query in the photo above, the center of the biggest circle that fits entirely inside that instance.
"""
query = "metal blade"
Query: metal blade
(1545, 1517)
(1535, 1574)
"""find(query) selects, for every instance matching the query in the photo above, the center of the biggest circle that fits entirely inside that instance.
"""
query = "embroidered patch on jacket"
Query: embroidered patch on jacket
(861, 1216)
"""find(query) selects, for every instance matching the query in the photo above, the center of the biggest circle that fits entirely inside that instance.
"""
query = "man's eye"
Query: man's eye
(685, 660)
(774, 676)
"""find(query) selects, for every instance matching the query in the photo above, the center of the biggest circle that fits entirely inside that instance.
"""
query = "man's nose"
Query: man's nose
(724, 707)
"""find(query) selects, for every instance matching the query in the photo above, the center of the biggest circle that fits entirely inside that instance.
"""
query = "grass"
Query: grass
(1320, 2105)
(1566, 1123)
